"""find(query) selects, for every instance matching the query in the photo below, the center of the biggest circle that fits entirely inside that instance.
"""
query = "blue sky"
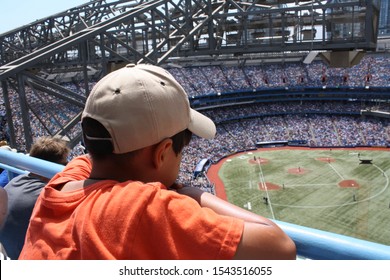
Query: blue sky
(15, 13)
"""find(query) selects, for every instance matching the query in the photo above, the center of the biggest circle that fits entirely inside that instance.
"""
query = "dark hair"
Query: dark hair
(102, 147)
(93, 128)
(180, 140)
(49, 148)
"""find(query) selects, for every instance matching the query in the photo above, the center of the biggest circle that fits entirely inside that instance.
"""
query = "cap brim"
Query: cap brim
(201, 125)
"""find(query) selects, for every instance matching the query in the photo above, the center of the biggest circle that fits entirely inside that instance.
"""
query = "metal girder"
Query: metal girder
(102, 35)
(152, 31)
(43, 32)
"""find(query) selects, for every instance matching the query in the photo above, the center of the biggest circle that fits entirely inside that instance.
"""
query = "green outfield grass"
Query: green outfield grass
(309, 193)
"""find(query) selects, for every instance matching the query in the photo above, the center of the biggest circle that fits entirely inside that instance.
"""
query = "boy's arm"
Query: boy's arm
(261, 238)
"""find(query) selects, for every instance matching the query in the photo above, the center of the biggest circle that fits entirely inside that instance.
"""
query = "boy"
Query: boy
(121, 201)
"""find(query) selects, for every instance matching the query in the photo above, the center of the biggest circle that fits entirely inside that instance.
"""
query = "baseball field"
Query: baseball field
(345, 191)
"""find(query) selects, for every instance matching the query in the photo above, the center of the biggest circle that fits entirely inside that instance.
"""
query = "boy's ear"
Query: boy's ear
(161, 151)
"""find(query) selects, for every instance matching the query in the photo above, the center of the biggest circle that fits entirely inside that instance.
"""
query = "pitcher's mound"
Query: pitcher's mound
(349, 184)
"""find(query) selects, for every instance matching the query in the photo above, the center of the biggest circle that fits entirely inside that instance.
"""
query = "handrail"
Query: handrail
(322, 245)
(311, 243)
(22, 163)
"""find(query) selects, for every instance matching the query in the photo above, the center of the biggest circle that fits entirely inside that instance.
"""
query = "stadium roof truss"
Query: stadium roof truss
(90, 40)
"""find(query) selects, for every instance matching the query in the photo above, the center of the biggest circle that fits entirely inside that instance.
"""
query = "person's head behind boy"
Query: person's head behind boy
(140, 109)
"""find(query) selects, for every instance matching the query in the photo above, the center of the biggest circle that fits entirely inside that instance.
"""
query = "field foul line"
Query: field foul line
(262, 181)
(341, 176)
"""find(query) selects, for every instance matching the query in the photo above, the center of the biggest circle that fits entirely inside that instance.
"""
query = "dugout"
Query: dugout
(365, 161)
(201, 166)
(297, 143)
(270, 144)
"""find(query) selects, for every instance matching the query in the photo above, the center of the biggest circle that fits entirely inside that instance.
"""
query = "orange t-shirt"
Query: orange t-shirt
(130, 220)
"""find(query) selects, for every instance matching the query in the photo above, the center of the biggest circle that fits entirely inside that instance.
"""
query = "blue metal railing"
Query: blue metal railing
(311, 243)
(21, 163)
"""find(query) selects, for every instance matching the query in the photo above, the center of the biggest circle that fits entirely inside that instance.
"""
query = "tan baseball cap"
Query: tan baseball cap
(140, 105)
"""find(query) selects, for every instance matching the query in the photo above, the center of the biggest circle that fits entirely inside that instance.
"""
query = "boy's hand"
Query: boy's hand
(176, 186)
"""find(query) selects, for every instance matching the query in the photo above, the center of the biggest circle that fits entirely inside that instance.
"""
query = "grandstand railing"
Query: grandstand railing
(311, 243)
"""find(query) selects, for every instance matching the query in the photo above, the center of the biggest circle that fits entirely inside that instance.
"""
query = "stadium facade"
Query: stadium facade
(384, 18)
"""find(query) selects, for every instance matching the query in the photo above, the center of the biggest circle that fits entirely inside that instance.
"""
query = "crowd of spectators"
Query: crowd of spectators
(46, 115)
(371, 71)
(240, 127)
